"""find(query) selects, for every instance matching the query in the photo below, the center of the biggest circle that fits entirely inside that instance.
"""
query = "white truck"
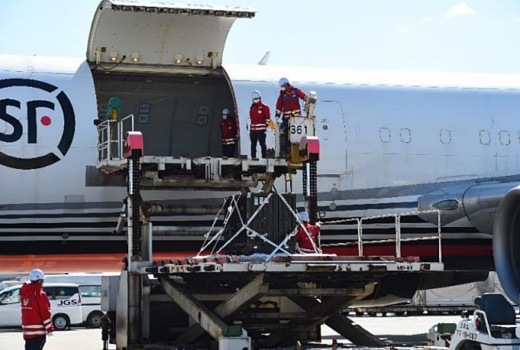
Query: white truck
(90, 290)
(491, 326)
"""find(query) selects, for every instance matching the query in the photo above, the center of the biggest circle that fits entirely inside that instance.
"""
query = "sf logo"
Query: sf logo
(48, 111)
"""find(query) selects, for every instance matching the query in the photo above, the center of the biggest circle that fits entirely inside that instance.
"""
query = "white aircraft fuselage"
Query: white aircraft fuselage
(385, 144)
(391, 142)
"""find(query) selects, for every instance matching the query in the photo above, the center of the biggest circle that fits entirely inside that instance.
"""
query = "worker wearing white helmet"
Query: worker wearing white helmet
(259, 118)
(36, 275)
(288, 105)
(228, 129)
(36, 311)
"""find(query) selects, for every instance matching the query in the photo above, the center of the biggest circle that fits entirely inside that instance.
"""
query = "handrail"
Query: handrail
(111, 135)
(398, 234)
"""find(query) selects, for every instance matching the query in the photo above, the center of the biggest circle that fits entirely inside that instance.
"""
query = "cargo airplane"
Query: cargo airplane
(391, 142)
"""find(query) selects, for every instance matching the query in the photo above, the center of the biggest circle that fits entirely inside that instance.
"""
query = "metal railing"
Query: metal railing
(111, 135)
(398, 235)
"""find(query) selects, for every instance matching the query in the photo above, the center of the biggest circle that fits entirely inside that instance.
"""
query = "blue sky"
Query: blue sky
(426, 35)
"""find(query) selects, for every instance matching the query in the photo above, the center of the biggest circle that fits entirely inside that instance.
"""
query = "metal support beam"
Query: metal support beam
(316, 292)
(356, 334)
(330, 308)
(252, 291)
(210, 322)
(268, 183)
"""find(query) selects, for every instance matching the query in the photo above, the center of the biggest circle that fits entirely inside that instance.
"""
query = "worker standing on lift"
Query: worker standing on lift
(228, 128)
(287, 106)
(260, 118)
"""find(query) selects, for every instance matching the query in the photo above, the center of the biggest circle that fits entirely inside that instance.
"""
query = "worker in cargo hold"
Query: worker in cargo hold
(287, 106)
(307, 242)
(228, 128)
(259, 119)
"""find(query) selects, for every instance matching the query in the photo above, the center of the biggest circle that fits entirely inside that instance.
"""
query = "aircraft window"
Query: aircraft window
(325, 127)
(406, 135)
(485, 137)
(384, 135)
(504, 137)
(445, 135)
(11, 297)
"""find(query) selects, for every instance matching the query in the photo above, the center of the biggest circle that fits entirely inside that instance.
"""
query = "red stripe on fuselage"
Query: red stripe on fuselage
(416, 250)
(63, 263)
(112, 262)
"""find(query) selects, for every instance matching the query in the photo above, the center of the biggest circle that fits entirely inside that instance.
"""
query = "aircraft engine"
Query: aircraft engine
(506, 243)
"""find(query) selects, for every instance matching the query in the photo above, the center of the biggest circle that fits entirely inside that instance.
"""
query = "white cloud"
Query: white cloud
(402, 27)
(461, 9)
(427, 19)
(515, 18)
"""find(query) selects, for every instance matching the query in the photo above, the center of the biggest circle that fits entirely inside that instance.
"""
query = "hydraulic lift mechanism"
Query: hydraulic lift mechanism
(229, 296)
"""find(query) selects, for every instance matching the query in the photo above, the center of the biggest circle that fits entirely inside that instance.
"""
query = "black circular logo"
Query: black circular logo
(14, 130)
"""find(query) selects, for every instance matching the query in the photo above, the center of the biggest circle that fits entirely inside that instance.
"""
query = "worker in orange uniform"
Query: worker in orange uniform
(228, 129)
(307, 243)
(287, 106)
(260, 118)
(36, 312)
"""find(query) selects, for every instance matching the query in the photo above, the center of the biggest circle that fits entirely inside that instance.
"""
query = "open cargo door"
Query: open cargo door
(159, 34)
(163, 63)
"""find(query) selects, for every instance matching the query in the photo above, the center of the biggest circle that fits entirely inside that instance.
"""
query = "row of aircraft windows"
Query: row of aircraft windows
(404, 135)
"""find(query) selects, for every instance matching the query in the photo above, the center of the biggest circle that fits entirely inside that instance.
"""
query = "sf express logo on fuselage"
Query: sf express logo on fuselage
(37, 124)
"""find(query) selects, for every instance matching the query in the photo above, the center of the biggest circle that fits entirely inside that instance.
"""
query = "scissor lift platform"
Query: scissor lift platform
(295, 263)
(280, 301)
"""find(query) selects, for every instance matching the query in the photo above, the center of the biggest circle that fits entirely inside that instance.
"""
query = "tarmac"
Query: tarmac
(400, 331)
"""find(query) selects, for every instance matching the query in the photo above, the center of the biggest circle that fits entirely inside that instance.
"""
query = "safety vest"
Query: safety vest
(228, 128)
(260, 116)
(36, 311)
(289, 102)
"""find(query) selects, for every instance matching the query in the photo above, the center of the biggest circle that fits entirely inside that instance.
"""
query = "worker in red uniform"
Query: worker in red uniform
(228, 129)
(36, 312)
(260, 117)
(288, 105)
(307, 243)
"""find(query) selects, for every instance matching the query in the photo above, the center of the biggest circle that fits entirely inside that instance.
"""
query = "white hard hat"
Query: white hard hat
(256, 94)
(283, 81)
(304, 216)
(225, 111)
(36, 274)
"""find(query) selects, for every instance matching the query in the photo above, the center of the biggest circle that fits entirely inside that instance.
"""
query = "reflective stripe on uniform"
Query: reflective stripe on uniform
(258, 127)
(34, 332)
(294, 112)
(228, 141)
(32, 326)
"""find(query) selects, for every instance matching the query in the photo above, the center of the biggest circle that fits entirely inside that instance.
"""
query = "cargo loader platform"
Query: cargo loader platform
(194, 172)
(204, 172)
(275, 303)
